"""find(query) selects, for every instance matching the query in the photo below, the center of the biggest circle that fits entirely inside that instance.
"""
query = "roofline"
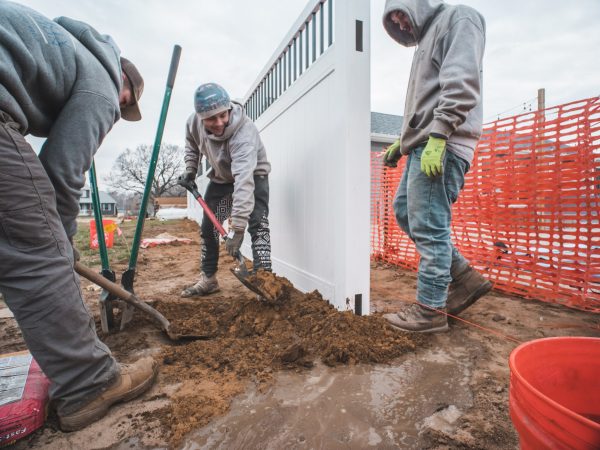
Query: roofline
(386, 138)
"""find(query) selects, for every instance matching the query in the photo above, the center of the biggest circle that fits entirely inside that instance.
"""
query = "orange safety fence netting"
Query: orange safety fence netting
(529, 215)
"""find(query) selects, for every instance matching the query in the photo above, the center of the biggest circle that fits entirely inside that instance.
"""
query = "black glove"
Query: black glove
(187, 179)
(392, 155)
(234, 242)
(189, 175)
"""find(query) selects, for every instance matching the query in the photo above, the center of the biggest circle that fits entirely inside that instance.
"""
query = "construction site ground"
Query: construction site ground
(298, 374)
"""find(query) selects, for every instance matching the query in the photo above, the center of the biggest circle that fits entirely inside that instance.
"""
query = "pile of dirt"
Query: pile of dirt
(246, 336)
(274, 288)
(245, 339)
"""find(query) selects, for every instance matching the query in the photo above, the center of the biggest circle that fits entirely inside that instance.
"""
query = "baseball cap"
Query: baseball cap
(132, 112)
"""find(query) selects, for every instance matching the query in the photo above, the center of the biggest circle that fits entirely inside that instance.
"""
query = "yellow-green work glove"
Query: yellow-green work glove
(392, 155)
(433, 157)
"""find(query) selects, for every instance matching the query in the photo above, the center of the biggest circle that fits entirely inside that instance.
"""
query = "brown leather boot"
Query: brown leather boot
(415, 317)
(133, 380)
(466, 288)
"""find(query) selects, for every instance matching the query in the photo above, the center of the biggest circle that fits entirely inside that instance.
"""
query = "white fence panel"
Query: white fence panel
(311, 105)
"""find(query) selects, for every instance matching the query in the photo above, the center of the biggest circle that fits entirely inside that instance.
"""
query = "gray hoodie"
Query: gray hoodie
(235, 158)
(444, 90)
(59, 80)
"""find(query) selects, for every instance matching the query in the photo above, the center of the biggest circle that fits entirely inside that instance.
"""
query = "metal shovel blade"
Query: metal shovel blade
(132, 300)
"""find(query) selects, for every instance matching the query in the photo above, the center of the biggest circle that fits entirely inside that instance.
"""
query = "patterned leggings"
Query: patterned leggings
(219, 197)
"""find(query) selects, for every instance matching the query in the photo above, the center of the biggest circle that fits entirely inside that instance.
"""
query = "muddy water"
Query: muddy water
(347, 407)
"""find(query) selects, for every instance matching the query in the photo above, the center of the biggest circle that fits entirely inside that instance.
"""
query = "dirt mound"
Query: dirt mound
(249, 339)
(247, 336)
(273, 287)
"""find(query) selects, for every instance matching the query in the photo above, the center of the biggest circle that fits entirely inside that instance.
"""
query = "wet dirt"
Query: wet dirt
(273, 287)
(357, 406)
(266, 358)
(251, 340)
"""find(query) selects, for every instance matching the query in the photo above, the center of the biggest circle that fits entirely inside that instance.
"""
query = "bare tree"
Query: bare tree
(130, 170)
(127, 202)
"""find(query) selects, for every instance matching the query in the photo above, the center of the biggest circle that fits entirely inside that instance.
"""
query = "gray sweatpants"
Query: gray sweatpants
(38, 282)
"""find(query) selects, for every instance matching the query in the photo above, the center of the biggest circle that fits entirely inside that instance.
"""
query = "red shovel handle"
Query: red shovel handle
(191, 186)
(210, 214)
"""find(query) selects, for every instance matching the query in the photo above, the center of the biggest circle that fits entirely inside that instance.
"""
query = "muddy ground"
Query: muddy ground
(298, 374)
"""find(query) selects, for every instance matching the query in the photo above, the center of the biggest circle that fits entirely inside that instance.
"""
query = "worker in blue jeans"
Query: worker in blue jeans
(442, 124)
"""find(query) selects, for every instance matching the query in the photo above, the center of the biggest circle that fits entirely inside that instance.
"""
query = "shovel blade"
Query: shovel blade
(239, 274)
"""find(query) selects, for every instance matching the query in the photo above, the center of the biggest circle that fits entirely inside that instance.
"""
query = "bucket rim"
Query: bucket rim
(514, 371)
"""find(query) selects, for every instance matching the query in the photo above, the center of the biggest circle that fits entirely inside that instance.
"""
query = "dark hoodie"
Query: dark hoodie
(444, 90)
(59, 80)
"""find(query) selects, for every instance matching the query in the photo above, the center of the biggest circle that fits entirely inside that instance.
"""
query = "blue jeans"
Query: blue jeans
(423, 208)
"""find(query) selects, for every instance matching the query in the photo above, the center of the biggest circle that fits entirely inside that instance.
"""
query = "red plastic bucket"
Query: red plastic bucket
(108, 233)
(555, 393)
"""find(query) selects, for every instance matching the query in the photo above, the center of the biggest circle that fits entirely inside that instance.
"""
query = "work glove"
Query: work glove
(433, 157)
(234, 242)
(187, 179)
(189, 176)
(392, 155)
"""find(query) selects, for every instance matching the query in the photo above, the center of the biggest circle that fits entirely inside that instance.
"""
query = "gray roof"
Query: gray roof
(388, 124)
(105, 197)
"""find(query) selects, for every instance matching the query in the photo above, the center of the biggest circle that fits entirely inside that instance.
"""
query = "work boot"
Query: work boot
(421, 319)
(133, 380)
(205, 285)
(466, 288)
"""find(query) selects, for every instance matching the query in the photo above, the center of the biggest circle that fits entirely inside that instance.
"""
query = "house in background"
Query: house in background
(385, 129)
(108, 205)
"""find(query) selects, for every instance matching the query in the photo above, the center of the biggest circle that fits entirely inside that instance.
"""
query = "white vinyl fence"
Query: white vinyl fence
(311, 104)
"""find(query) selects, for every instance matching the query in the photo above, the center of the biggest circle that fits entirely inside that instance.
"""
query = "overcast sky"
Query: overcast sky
(530, 44)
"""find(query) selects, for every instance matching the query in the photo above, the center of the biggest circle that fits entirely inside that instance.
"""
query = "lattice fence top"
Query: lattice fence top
(529, 215)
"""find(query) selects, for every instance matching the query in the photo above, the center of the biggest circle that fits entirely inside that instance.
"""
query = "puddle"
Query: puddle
(347, 407)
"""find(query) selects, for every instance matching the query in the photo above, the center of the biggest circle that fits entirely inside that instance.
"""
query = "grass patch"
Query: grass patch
(121, 249)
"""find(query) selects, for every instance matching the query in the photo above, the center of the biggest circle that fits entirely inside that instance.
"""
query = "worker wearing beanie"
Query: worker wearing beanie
(220, 131)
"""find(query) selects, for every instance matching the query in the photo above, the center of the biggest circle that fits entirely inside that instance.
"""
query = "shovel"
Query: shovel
(132, 300)
(241, 271)
(107, 320)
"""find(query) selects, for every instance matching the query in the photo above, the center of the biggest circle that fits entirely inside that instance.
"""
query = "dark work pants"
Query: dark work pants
(38, 282)
(219, 199)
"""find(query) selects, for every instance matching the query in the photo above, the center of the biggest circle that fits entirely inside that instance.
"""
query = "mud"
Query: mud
(273, 287)
(248, 336)
(357, 406)
(251, 340)
(249, 345)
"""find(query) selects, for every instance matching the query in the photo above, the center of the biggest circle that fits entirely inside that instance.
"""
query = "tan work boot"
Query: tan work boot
(133, 380)
(415, 317)
(204, 286)
(468, 287)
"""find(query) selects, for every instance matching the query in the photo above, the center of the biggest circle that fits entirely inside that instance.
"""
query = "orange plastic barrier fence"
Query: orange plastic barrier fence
(529, 214)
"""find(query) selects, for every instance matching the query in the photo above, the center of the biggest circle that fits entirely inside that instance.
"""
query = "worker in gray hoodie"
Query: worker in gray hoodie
(63, 81)
(442, 124)
(221, 132)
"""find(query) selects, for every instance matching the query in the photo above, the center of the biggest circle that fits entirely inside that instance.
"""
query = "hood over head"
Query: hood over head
(419, 13)
(100, 45)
